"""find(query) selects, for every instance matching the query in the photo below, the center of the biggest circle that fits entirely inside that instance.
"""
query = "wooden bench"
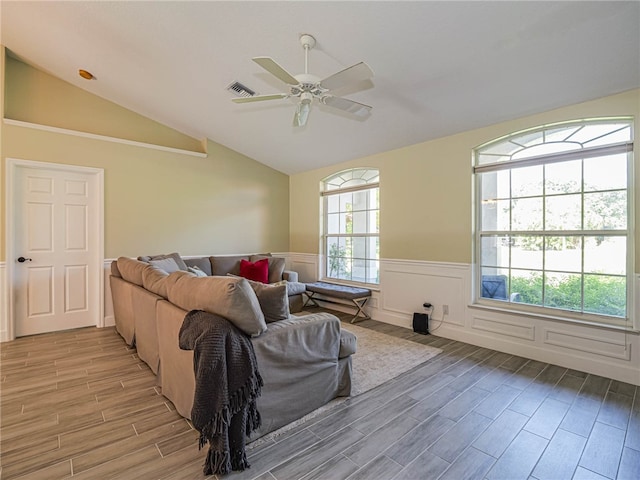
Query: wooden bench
(340, 295)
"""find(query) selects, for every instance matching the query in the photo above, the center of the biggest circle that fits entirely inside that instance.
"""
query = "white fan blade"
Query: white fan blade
(302, 113)
(353, 74)
(270, 65)
(359, 109)
(259, 98)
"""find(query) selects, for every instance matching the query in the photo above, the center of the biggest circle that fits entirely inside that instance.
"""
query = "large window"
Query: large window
(351, 226)
(553, 223)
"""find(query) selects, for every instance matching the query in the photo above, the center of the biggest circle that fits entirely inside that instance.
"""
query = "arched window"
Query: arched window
(553, 223)
(351, 232)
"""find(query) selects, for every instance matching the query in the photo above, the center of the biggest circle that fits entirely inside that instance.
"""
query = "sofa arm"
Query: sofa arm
(308, 341)
(290, 276)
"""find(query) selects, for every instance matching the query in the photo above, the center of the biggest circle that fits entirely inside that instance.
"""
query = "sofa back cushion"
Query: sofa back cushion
(276, 266)
(229, 297)
(114, 269)
(203, 263)
(223, 264)
(131, 270)
(154, 279)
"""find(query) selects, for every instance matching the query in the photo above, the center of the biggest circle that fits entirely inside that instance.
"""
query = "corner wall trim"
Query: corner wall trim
(105, 138)
(4, 299)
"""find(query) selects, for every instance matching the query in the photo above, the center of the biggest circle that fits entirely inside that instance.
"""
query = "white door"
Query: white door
(57, 249)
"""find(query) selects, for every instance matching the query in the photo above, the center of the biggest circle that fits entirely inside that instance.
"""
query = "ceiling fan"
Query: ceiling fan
(308, 87)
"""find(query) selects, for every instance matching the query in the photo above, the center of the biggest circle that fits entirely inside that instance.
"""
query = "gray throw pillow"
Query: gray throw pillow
(197, 272)
(273, 300)
(168, 264)
(175, 255)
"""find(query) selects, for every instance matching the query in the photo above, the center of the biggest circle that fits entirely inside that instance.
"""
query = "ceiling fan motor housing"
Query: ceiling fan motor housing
(307, 83)
(306, 97)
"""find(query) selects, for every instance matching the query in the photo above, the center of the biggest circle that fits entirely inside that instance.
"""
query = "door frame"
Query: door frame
(97, 263)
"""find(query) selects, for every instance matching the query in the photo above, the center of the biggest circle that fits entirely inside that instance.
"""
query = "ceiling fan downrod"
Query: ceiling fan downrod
(308, 42)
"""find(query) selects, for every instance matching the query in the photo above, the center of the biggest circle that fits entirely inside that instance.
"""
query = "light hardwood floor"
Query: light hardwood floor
(81, 404)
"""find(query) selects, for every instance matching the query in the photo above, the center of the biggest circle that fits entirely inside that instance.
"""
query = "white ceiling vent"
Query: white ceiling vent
(239, 90)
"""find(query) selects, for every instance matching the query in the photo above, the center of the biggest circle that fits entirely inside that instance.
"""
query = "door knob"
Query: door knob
(22, 259)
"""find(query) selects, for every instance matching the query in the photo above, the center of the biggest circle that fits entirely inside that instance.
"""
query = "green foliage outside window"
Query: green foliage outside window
(603, 295)
(337, 261)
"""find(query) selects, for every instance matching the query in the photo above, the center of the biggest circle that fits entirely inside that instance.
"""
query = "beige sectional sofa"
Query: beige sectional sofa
(305, 360)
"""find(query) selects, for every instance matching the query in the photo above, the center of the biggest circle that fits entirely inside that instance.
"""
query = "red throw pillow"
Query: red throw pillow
(256, 271)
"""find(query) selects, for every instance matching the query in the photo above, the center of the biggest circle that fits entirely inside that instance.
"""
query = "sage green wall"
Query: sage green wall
(426, 189)
(36, 97)
(155, 201)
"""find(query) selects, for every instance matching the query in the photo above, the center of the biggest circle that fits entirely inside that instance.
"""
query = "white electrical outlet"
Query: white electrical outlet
(445, 309)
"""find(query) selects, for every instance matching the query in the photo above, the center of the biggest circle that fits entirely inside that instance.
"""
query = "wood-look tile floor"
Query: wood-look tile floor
(80, 404)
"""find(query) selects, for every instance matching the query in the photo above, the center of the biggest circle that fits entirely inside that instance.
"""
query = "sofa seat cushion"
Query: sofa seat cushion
(229, 297)
(348, 343)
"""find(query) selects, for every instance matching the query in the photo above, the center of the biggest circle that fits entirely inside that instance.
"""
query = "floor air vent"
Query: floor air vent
(240, 90)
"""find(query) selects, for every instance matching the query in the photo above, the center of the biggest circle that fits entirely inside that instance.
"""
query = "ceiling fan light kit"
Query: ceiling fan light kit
(308, 87)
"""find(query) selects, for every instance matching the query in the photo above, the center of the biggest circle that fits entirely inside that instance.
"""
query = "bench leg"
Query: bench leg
(360, 303)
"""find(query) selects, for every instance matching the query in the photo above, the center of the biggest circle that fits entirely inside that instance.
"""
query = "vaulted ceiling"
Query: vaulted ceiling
(439, 67)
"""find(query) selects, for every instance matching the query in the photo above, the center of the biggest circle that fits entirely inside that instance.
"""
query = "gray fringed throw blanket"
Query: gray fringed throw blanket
(227, 386)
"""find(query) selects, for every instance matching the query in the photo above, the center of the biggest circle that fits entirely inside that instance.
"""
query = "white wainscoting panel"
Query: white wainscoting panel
(307, 266)
(617, 347)
(523, 329)
(406, 285)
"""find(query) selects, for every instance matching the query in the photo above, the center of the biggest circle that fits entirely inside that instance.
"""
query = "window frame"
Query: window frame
(329, 188)
(626, 147)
